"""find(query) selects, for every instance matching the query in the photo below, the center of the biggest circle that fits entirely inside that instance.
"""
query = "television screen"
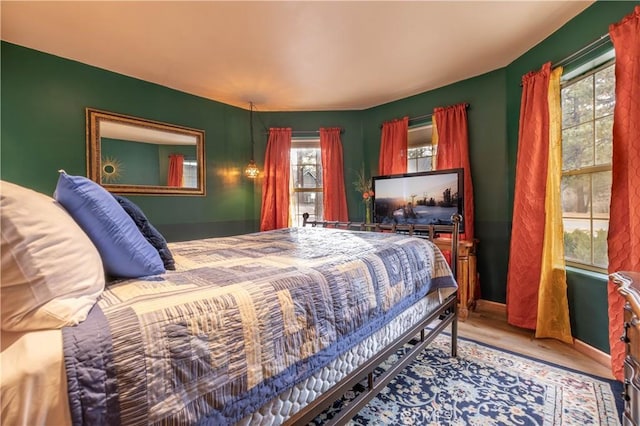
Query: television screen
(425, 198)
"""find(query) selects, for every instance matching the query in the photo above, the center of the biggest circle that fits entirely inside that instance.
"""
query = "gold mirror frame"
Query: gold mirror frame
(95, 119)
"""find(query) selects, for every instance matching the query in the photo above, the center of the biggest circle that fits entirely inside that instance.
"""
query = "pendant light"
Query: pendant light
(251, 171)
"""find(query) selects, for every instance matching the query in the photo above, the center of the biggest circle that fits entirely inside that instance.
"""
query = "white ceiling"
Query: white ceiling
(290, 55)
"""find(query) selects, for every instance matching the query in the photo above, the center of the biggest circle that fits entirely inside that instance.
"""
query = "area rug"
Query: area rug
(485, 385)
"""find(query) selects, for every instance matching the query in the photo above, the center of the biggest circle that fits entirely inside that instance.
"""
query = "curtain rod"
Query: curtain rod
(424, 116)
(312, 132)
(592, 46)
(595, 44)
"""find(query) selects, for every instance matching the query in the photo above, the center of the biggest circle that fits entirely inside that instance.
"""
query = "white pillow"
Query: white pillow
(52, 273)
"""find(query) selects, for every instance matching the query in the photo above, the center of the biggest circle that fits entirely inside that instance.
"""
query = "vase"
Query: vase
(367, 213)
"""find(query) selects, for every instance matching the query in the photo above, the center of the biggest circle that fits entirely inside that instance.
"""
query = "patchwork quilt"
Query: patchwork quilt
(240, 320)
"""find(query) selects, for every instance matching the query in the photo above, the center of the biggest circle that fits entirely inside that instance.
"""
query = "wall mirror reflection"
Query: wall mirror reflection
(133, 155)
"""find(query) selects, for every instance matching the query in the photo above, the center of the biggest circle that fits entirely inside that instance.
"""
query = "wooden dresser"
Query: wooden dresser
(629, 287)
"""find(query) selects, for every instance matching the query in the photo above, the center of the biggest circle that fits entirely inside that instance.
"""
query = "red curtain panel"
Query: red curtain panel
(174, 176)
(624, 225)
(453, 152)
(393, 147)
(527, 234)
(334, 195)
(275, 186)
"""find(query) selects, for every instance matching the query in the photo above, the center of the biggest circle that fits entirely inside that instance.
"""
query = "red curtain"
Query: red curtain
(453, 152)
(174, 177)
(275, 187)
(393, 147)
(527, 234)
(624, 225)
(334, 195)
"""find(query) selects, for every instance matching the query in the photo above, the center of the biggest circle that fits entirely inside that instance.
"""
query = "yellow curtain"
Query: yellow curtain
(553, 307)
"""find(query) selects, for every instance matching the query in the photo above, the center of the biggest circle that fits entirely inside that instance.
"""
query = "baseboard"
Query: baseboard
(595, 354)
(493, 307)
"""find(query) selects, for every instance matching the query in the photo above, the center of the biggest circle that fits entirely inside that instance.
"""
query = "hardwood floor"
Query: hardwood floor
(488, 324)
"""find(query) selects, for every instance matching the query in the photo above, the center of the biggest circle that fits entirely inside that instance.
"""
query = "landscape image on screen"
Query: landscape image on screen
(425, 200)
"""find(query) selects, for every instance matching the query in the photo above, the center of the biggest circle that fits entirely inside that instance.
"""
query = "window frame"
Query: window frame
(429, 143)
(573, 78)
(302, 143)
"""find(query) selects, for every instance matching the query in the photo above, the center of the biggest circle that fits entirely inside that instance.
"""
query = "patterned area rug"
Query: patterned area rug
(488, 386)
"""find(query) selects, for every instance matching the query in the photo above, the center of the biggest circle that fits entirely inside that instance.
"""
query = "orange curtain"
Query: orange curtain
(275, 187)
(624, 225)
(527, 234)
(334, 195)
(453, 152)
(174, 177)
(393, 147)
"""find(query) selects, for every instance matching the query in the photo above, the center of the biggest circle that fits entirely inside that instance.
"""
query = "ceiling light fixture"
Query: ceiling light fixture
(251, 171)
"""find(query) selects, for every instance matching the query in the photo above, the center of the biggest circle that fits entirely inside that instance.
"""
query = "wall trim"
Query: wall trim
(594, 353)
(489, 306)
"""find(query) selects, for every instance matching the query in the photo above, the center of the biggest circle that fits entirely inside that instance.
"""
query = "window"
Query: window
(306, 181)
(420, 151)
(190, 173)
(587, 135)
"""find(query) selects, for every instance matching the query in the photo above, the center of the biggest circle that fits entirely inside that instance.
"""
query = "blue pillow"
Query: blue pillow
(149, 231)
(124, 251)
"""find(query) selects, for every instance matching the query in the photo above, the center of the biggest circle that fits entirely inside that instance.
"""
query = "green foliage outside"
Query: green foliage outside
(577, 247)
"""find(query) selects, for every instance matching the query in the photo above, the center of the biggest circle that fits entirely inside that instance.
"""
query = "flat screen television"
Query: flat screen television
(424, 198)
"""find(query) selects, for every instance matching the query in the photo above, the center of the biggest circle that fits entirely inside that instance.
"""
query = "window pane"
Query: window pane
(605, 81)
(587, 119)
(306, 176)
(306, 202)
(422, 151)
(419, 159)
(306, 170)
(604, 140)
(577, 146)
(600, 230)
(576, 195)
(424, 164)
(577, 240)
(190, 174)
(601, 183)
(577, 103)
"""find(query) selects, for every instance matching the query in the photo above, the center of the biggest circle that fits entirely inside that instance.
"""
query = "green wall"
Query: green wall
(43, 130)
(138, 163)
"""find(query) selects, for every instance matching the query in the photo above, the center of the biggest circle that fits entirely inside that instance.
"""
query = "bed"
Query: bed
(264, 328)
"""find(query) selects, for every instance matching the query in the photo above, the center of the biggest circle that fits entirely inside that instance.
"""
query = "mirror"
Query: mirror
(130, 155)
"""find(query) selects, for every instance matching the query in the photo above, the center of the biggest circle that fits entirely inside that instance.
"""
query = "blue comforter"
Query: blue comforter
(240, 320)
